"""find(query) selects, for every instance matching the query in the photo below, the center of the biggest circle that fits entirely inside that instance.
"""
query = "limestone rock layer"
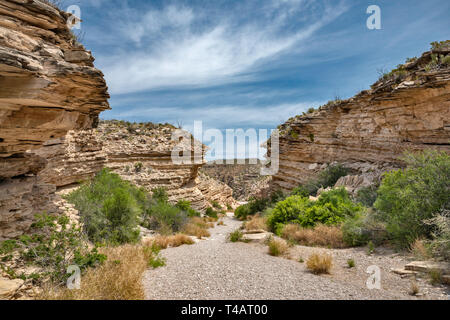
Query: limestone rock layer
(48, 86)
(408, 109)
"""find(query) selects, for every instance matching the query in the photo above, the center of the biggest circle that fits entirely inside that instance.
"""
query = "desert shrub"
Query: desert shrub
(210, 212)
(186, 207)
(160, 194)
(331, 208)
(277, 196)
(54, 245)
(363, 227)
(138, 167)
(367, 195)
(321, 235)
(163, 216)
(197, 227)
(301, 191)
(277, 247)
(253, 207)
(216, 205)
(173, 241)
(351, 263)
(256, 223)
(329, 176)
(408, 197)
(291, 210)
(420, 249)
(439, 245)
(319, 263)
(109, 208)
(118, 278)
(235, 236)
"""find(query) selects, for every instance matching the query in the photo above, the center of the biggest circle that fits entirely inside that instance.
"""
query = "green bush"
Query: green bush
(164, 217)
(367, 196)
(160, 194)
(109, 208)
(331, 208)
(186, 207)
(216, 205)
(291, 210)
(211, 213)
(440, 242)
(253, 207)
(331, 175)
(277, 196)
(408, 197)
(54, 246)
(235, 236)
(300, 191)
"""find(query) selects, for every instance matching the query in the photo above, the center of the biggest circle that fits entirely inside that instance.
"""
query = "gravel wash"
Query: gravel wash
(215, 269)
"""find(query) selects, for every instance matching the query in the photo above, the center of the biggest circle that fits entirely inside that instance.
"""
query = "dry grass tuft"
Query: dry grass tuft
(319, 263)
(414, 288)
(256, 223)
(220, 223)
(119, 278)
(173, 241)
(198, 227)
(420, 251)
(321, 235)
(277, 247)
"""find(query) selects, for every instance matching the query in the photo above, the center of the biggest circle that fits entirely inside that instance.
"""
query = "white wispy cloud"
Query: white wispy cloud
(175, 47)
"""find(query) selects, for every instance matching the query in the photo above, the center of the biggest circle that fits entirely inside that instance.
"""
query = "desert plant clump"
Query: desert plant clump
(118, 278)
(210, 212)
(56, 243)
(256, 222)
(109, 208)
(351, 263)
(321, 235)
(277, 247)
(409, 197)
(414, 287)
(319, 263)
(435, 276)
(235, 236)
(331, 208)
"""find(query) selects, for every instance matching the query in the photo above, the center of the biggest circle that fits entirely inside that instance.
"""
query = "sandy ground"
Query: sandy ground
(218, 269)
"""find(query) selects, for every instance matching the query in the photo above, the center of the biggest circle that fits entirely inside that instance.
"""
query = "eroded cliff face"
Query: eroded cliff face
(244, 179)
(408, 109)
(48, 86)
(140, 153)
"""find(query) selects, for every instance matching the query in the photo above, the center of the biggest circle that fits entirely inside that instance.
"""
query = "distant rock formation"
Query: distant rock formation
(140, 153)
(407, 109)
(48, 86)
(245, 179)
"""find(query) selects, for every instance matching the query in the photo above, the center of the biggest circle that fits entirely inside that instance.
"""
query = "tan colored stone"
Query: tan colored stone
(42, 97)
(9, 287)
(427, 266)
(369, 132)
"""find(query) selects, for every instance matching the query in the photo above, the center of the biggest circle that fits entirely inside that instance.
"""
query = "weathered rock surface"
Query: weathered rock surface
(44, 93)
(244, 179)
(140, 153)
(369, 132)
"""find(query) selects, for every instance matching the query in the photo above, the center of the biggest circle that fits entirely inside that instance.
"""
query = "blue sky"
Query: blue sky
(247, 64)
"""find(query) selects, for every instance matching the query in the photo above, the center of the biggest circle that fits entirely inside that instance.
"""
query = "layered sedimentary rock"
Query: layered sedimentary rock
(48, 86)
(408, 109)
(244, 179)
(140, 153)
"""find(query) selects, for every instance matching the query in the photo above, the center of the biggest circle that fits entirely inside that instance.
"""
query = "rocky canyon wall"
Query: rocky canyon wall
(140, 153)
(407, 109)
(244, 179)
(48, 86)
